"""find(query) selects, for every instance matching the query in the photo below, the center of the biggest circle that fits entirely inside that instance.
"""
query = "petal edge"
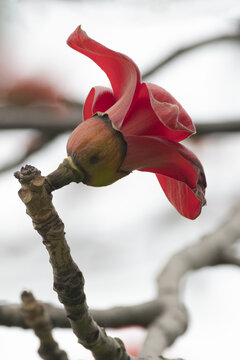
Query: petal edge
(157, 113)
(100, 98)
(179, 171)
(122, 72)
(188, 202)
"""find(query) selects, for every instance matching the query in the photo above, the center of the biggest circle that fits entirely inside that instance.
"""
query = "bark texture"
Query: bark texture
(68, 279)
(37, 319)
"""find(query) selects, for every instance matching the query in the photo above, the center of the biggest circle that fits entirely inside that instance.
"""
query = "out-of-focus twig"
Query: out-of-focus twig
(163, 358)
(48, 120)
(176, 53)
(211, 250)
(37, 319)
(218, 126)
(139, 315)
(36, 143)
(45, 119)
(12, 315)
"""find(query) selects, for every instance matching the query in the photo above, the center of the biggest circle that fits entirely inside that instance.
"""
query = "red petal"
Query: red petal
(174, 161)
(122, 72)
(157, 113)
(188, 202)
(100, 99)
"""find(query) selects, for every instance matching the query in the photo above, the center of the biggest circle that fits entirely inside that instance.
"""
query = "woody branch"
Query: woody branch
(36, 317)
(68, 279)
(167, 316)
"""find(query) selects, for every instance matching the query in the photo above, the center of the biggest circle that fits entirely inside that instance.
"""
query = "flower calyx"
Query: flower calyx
(98, 149)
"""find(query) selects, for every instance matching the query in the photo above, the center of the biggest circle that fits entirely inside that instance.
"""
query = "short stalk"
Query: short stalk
(65, 174)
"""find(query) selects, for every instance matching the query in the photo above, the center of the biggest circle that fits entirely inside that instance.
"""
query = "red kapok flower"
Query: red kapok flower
(147, 122)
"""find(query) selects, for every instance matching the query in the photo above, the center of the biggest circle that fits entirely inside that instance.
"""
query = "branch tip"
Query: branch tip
(27, 173)
(27, 296)
(36, 317)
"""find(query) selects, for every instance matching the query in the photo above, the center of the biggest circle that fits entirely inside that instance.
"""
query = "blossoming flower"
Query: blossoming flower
(133, 126)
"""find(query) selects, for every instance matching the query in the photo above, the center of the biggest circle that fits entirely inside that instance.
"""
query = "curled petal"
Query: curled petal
(158, 113)
(122, 72)
(188, 202)
(174, 161)
(100, 98)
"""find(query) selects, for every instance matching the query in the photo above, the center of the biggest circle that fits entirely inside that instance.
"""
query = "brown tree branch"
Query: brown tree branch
(230, 257)
(43, 118)
(36, 318)
(11, 315)
(172, 321)
(51, 122)
(120, 316)
(68, 279)
(217, 126)
(163, 358)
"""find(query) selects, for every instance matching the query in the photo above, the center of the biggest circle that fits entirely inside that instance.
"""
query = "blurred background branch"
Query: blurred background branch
(37, 319)
(185, 49)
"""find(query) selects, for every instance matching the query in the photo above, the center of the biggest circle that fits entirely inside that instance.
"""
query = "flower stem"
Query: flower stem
(66, 173)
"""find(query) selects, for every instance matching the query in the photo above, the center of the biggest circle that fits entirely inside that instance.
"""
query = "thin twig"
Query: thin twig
(176, 53)
(37, 319)
(163, 358)
(44, 118)
(218, 126)
(120, 316)
(48, 121)
(36, 143)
